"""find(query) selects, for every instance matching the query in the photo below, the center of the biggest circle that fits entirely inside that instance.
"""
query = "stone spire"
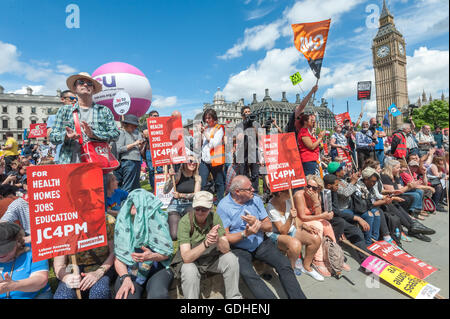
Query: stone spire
(430, 99)
(283, 97)
(254, 99)
(267, 97)
(442, 96)
(424, 97)
(385, 11)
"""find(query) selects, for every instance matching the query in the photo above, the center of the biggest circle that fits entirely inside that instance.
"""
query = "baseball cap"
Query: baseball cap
(334, 167)
(413, 163)
(8, 234)
(368, 172)
(203, 199)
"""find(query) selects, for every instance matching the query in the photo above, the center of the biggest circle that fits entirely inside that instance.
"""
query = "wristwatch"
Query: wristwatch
(122, 278)
(243, 235)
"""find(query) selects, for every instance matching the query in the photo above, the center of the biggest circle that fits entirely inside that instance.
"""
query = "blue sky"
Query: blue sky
(189, 48)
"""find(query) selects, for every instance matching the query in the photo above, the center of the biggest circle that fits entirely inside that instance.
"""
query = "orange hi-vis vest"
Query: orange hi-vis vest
(400, 151)
(218, 153)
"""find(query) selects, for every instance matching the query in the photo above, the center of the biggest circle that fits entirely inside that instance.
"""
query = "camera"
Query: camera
(249, 119)
(268, 123)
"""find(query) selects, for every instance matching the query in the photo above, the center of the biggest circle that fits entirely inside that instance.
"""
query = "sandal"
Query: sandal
(321, 269)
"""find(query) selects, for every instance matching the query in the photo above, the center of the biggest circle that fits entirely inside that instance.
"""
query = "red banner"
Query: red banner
(166, 139)
(38, 130)
(341, 117)
(401, 259)
(67, 209)
(284, 166)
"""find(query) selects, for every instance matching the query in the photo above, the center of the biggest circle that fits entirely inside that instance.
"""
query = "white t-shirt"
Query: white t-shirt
(276, 216)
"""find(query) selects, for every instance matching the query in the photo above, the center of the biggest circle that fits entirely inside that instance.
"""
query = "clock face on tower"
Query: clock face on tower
(401, 49)
(383, 51)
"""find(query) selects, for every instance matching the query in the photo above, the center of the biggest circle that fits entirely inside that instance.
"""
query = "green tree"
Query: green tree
(433, 114)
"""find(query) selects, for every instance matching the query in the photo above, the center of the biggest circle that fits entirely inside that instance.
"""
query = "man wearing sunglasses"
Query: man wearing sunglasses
(246, 220)
(96, 121)
(204, 248)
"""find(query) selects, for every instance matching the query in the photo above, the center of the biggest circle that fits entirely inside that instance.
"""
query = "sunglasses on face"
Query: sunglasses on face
(314, 188)
(201, 209)
(72, 98)
(83, 82)
(192, 162)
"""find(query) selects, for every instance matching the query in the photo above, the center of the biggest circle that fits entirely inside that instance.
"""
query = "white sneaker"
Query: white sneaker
(313, 273)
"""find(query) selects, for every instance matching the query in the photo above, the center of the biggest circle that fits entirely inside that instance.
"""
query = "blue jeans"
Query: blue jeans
(417, 194)
(218, 177)
(373, 221)
(128, 175)
(310, 168)
(380, 157)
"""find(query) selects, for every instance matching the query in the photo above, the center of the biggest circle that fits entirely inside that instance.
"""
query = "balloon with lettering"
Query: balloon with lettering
(124, 78)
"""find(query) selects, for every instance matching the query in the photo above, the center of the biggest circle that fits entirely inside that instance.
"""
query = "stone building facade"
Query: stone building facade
(18, 111)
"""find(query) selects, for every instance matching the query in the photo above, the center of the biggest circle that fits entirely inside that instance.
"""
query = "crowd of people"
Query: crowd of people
(222, 216)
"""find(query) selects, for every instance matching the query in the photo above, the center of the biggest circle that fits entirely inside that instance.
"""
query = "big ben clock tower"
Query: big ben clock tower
(389, 62)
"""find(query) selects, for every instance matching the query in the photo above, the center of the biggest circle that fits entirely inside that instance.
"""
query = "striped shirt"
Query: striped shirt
(18, 210)
(103, 127)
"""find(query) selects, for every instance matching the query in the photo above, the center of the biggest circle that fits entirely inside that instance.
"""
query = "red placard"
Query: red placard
(38, 130)
(401, 259)
(67, 209)
(341, 117)
(346, 156)
(166, 140)
(284, 166)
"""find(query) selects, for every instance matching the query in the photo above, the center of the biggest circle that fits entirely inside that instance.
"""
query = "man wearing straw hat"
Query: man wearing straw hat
(96, 121)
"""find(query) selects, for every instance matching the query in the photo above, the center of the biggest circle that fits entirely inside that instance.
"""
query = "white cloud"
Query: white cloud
(43, 77)
(272, 72)
(37, 89)
(256, 38)
(66, 69)
(163, 102)
(265, 36)
(427, 70)
(259, 13)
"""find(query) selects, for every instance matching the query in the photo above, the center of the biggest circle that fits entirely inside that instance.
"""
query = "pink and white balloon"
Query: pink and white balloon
(119, 76)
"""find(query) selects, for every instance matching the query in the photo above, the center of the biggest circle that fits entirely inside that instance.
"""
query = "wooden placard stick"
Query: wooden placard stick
(76, 271)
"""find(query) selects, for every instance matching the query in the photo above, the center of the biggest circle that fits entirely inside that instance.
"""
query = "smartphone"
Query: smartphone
(246, 212)
(138, 250)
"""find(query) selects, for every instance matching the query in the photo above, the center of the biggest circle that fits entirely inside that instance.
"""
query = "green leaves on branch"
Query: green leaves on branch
(434, 114)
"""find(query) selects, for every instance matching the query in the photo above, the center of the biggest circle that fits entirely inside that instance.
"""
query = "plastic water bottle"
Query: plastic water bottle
(397, 232)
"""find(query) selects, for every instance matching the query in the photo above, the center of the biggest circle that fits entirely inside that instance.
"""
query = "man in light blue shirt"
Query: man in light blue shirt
(245, 220)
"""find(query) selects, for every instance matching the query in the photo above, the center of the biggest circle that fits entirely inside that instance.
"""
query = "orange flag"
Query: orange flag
(311, 39)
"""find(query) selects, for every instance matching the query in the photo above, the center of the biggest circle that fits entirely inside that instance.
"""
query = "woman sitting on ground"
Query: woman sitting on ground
(289, 234)
(437, 176)
(188, 182)
(142, 254)
(308, 204)
(21, 278)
